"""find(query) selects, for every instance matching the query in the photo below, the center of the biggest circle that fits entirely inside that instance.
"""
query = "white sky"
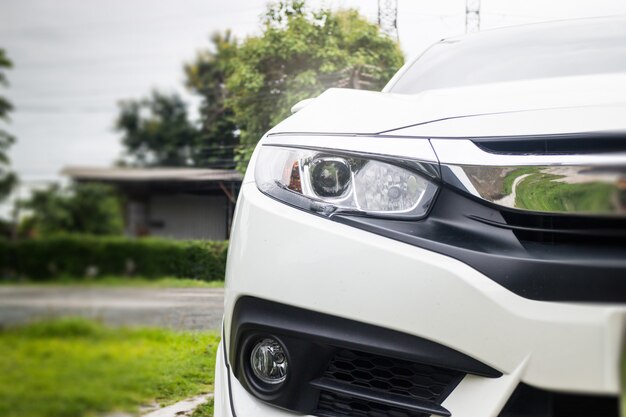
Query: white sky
(75, 59)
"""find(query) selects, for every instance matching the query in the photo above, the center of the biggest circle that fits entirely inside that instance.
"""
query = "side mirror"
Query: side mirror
(301, 104)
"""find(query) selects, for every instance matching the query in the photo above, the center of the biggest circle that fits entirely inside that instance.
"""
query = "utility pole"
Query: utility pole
(472, 16)
(388, 18)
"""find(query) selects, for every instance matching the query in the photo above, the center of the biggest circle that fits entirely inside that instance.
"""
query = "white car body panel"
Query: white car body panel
(601, 118)
(342, 111)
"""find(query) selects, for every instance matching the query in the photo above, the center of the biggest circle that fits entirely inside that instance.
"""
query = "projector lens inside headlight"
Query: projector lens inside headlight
(327, 182)
(330, 177)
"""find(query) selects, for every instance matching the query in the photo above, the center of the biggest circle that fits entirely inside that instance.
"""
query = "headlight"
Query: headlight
(328, 182)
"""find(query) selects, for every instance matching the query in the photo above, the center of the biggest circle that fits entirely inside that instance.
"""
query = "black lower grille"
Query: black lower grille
(392, 375)
(383, 386)
(527, 401)
(332, 405)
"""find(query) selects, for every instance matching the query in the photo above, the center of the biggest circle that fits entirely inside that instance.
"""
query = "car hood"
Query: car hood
(555, 105)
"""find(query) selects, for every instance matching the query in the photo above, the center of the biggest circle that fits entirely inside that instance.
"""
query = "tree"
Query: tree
(207, 77)
(300, 54)
(157, 131)
(8, 179)
(81, 208)
(248, 87)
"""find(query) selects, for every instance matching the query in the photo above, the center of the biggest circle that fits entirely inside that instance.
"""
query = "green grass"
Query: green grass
(205, 410)
(77, 367)
(117, 281)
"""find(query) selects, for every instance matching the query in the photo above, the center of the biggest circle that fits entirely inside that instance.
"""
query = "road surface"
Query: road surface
(176, 308)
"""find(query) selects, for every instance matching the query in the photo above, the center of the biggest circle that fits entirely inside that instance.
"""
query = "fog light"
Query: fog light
(269, 362)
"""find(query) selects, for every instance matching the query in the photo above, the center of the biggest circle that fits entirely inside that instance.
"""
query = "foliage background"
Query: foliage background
(248, 86)
(88, 208)
(8, 178)
(86, 256)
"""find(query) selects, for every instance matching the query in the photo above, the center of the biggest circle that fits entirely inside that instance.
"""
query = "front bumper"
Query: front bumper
(285, 255)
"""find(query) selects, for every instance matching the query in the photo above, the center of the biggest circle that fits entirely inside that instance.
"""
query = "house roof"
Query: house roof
(146, 175)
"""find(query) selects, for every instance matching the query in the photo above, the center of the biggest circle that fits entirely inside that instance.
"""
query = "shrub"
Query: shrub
(88, 208)
(91, 256)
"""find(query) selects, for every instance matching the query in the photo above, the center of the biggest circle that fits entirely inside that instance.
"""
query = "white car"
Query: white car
(452, 246)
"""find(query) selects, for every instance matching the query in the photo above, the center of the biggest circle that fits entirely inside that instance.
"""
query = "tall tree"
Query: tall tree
(157, 131)
(8, 179)
(246, 88)
(207, 76)
(300, 54)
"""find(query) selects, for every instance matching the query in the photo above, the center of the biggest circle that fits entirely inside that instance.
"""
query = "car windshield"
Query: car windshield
(535, 51)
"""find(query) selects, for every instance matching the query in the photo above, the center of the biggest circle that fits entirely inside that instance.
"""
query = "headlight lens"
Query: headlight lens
(327, 183)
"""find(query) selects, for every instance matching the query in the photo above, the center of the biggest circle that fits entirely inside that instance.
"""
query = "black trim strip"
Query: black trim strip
(230, 390)
(389, 399)
(555, 144)
(604, 233)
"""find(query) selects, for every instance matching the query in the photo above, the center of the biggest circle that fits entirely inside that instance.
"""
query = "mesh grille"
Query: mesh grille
(395, 376)
(379, 374)
(342, 405)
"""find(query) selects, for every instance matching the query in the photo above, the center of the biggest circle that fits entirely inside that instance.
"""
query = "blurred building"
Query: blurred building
(179, 203)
